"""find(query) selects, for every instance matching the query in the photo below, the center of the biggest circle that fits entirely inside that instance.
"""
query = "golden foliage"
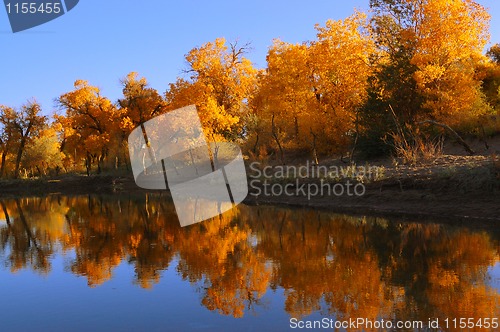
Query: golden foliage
(220, 80)
(449, 38)
(310, 92)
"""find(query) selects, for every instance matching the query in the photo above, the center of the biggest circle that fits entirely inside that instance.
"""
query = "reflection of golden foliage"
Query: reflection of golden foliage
(219, 254)
(441, 277)
(147, 276)
(343, 266)
(317, 259)
(96, 272)
(458, 286)
(101, 233)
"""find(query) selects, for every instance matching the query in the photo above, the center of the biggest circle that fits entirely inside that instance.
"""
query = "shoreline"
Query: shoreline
(428, 200)
(487, 213)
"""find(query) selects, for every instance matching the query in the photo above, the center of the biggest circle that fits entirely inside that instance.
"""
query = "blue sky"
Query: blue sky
(103, 40)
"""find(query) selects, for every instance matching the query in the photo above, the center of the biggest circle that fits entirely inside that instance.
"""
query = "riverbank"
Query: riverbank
(457, 188)
(70, 184)
(402, 199)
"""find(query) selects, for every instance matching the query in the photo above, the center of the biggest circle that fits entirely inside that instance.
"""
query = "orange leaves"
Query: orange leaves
(92, 124)
(421, 57)
(428, 74)
(43, 153)
(455, 26)
(342, 68)
(18, 130)
(140, 102)
(221, 80)
(449, 43)
(313, 89)
(428, 55)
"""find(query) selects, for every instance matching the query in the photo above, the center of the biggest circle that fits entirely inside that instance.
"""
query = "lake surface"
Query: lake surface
(105, 263)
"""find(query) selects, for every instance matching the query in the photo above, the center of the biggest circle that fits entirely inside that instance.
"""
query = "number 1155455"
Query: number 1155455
(34, 8)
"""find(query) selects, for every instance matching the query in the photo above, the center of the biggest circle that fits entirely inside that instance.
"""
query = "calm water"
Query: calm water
(123, 263)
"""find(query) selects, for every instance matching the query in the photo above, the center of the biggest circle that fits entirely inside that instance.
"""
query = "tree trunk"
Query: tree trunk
(256, 143)
(99, 166)
(88, 163)
(314, 151)
(276, 138)
(353, 150)
(19, 156)
(2, 169)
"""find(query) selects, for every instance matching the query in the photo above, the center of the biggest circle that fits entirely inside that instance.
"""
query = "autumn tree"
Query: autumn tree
(311, 92)
(425, 65)
(219, 81)
(283, 94)
(341, 60)
(19, 130)
(8, 135)
(44, 152)
(140, 102)
(448, 48)
(91, 125)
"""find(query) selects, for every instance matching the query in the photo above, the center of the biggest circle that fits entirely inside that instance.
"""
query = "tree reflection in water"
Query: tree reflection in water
(338, 265)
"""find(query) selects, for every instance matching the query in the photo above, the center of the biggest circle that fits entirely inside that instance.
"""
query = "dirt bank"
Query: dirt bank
(456, 188)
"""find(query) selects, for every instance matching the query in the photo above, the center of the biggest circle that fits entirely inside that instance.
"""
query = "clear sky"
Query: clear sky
(103, 40)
